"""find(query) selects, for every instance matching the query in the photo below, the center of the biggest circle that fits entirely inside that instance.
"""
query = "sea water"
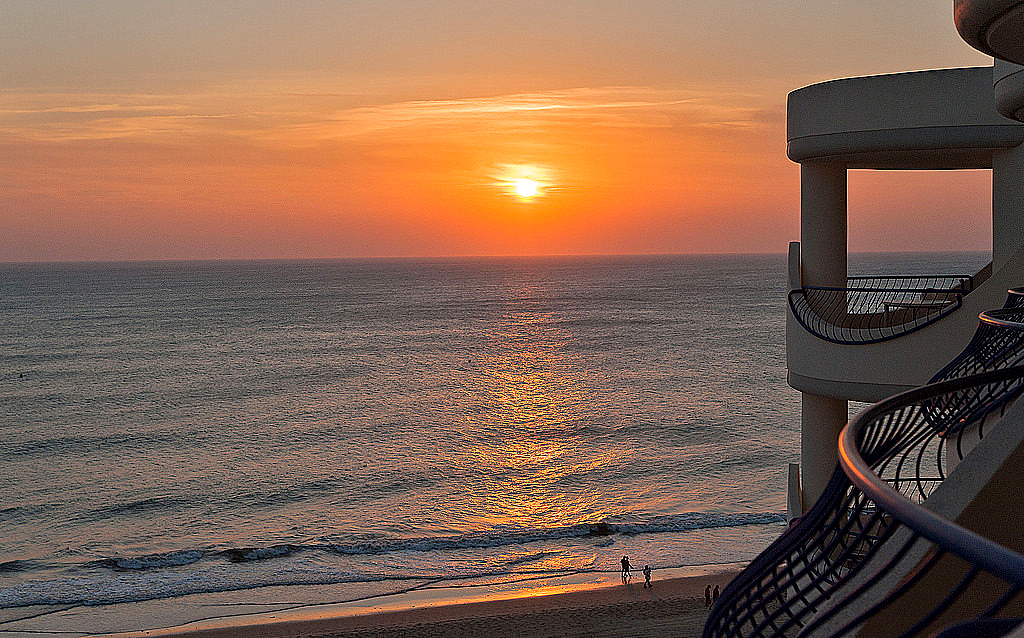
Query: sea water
(178, 428)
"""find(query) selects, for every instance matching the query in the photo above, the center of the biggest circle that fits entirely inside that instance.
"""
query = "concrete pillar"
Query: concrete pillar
(823, 223)
(1007, 204)
(821, 420)
(823, 232)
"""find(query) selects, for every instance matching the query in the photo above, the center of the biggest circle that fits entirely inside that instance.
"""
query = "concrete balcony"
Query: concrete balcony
(995, 27)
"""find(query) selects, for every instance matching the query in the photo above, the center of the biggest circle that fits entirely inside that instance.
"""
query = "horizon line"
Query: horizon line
(453, 257)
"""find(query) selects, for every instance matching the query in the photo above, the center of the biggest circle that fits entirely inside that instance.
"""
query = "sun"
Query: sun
(526, 187)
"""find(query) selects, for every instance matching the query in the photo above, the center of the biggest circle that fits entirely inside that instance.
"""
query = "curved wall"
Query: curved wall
(1008, 88)
(995, 27)
(921, 120)
(872, 372)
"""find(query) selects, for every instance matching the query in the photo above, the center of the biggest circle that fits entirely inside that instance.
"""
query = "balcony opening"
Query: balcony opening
(919, 222)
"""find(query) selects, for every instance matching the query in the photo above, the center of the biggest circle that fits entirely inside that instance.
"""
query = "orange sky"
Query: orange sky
(321, 129)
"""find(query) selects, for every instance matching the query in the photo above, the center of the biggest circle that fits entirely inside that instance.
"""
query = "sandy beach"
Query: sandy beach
(671, 607)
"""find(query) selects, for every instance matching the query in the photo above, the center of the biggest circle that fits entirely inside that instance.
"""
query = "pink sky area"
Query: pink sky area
(196, 130)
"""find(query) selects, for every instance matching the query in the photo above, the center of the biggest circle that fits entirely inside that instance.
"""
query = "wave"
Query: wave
(131, 508)
(496, 537)
(13, 566)
(247, 554)
(518, 536)
(150, 561)
(206, 570)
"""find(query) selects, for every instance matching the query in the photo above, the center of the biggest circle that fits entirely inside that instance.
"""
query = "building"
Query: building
(920, 526)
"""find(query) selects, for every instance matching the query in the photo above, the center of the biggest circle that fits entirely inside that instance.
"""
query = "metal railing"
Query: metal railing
(873, 309)
(963, 558)
(792, 587)
(1014, 298)
(829, 573)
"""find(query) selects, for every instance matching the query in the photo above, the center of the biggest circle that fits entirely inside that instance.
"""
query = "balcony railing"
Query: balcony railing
(873, 309)
(840, 565)
(1014, 298)
(831, 559)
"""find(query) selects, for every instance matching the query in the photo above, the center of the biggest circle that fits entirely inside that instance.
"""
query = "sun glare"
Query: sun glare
(525, 182)
(526, 187)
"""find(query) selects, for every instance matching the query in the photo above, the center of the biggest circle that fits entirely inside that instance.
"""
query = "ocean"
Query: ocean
(173, 428)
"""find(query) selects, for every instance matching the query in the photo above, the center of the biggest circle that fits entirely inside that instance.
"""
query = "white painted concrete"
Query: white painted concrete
(821, 421)
(823, 224)
(926, 120)
(1008, 89)
(923, 120)
(992, 26)
(1007, 204)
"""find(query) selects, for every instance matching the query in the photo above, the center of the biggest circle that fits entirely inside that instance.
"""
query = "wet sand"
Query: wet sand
(671, 607)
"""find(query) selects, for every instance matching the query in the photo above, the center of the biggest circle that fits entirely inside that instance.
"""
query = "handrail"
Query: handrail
(1014, 298)
(972, 547)
(997, 343)
(870, 309)
(835, 559)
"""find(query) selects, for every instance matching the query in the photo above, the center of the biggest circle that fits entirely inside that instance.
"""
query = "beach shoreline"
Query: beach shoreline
(586, 603)
(672, 606)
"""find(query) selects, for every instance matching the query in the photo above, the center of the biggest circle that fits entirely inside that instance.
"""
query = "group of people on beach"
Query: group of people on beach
(626, 575)
(710, 595)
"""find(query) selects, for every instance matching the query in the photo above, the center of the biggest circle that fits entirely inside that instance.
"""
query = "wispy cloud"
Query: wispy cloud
(305, 119)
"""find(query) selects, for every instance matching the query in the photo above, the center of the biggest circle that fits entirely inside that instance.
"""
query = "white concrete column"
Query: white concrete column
(821, 420)
(823, 223)
(823, 230)
(1007, 204)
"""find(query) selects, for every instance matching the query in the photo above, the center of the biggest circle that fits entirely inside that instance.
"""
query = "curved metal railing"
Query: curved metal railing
(827, 574)
(782, 590)
(1014, 298)
(995, 344)
(873, 309)
(873, 449)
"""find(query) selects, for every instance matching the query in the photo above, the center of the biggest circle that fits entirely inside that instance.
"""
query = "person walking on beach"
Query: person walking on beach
(647, 577)
(714, 595)
(625, 567)
(707, 596)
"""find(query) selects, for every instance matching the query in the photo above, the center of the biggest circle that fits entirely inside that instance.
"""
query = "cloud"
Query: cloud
(308, 119)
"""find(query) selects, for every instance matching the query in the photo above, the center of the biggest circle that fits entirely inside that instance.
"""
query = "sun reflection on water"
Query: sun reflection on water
(532, 448)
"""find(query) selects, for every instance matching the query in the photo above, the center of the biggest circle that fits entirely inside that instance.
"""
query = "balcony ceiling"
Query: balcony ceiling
(941, 119)
(995, 27)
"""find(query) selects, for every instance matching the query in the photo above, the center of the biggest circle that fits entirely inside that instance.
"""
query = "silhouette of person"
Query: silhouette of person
(714, 595)
(647, 576)
(625, 567)
(707, 596)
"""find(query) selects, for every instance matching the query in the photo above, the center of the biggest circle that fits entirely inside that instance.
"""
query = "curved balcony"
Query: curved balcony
(860, 359)
(994, 27)
(1014, 298)
(832, 572)
(873, 309)
(997, 343)
(867, 542)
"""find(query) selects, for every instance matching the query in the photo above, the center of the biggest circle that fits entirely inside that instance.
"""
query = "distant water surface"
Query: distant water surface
(172, 428)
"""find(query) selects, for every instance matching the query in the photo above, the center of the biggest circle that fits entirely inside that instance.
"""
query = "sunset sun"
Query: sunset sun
(526, 187)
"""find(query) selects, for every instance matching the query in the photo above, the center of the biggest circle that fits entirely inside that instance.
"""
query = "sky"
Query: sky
(351, 128)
